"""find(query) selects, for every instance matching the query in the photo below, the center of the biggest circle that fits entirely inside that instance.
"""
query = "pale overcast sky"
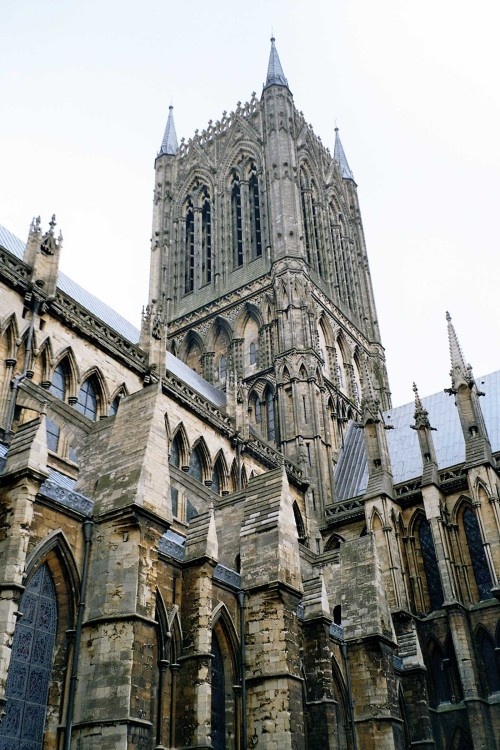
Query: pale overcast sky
(413, 87)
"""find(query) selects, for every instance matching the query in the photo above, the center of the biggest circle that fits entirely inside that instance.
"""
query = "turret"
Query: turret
(463, 387)
(42, 254)
(377, 453)
(424, 431)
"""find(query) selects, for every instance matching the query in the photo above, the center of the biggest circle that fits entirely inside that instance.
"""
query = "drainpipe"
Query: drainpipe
(19, 378)
(241, 602)
(88, 526)
(343, 646)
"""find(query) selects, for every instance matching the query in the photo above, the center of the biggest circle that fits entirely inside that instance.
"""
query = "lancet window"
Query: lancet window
(59, 381)
(87, 399)
(189, 247)
(270, 415)
(431, 569)
(254, 213)
(311, 222)
(477, 554)
(30, 666)
(236, 220)
(206, 237)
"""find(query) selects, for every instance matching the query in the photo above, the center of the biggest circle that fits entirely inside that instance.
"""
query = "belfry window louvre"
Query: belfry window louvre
(189, 249)
(237, 226)
(206, 238)
(255, 222)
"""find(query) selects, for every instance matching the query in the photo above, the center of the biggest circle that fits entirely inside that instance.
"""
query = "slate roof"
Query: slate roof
(275, 75)
(111, 318)
(351, 473)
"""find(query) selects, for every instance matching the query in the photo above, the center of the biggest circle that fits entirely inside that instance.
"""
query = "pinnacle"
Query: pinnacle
(341, 159)
(169, 143)
(458, 364)
(275, 75)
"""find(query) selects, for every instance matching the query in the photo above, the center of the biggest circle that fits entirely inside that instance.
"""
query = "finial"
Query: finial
(169, 143)
(340, 157)
(52, 224)
(448, 317)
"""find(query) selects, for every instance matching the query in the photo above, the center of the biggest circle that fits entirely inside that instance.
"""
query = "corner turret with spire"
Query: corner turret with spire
(464, 388)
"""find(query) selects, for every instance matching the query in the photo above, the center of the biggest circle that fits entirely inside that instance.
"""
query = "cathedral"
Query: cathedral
(216, 531)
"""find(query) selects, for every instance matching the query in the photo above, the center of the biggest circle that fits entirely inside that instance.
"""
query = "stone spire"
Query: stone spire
(169, 143)
(275, 75)
(463, 387)
(341, 159)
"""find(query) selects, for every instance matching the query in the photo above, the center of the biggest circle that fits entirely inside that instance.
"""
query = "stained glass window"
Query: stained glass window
(477, 554)
(218, 697)
(431, 569)
(196, 466)
(30, 666)
(87, 400)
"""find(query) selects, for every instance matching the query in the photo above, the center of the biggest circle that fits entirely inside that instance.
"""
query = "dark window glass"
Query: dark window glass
(222, 368)
(253, 353)
(490, 659)
(196, 466)
(206, 239)
(216, 480)
(87, 400)
(189, 249)
(59, 380)
(30, 666)
(477, 554)
(258, 411)
(271, 425)
(114, 405)
(431, 569)
(255, 225)
(218, 697)
(53, 433)
(175, 461)
(236, 222)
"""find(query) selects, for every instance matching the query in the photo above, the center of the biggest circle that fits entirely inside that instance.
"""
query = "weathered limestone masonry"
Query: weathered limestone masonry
(25, 470)
(237, 543)
(272, 580)
(117, 670)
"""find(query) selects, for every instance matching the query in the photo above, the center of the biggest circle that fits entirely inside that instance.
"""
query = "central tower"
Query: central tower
(260, 269)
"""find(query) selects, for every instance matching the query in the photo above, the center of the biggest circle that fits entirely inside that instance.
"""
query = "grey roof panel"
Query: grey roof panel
(98, 308)
(195, 381)
(275, 75)
(351, 473)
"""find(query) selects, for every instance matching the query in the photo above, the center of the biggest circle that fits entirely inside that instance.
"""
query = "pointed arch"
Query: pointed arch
(472, 547)
(66, 358)
(179, 447)
(333, 542)
(191, 351)
(90, 401)
(299, 523)
(168, 646)
(376, 522)
(428, 563)
(9, 334)
(220, 474)
(489, 660)
(199, 462)
(244, 478)
(225, 675)
(460, 740)
(116, 397)
(42, 363)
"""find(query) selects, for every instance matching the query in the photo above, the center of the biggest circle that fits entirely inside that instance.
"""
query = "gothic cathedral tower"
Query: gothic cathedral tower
(259, 267)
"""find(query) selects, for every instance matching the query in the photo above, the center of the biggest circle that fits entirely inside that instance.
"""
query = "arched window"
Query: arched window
(236, 221)
(222, 369)
(254, 214)
(206, 238)
(113, 408)
(252, 353)
(174, 460)
(53, 433)
(59, 382)
(299, 523)
(218, 697)
(270, 415)
(438, 675)
(87, 399)
(189, 248)
(477, 554)
(196, 465)
(431, 569)
(30, 666)
(490, 660)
